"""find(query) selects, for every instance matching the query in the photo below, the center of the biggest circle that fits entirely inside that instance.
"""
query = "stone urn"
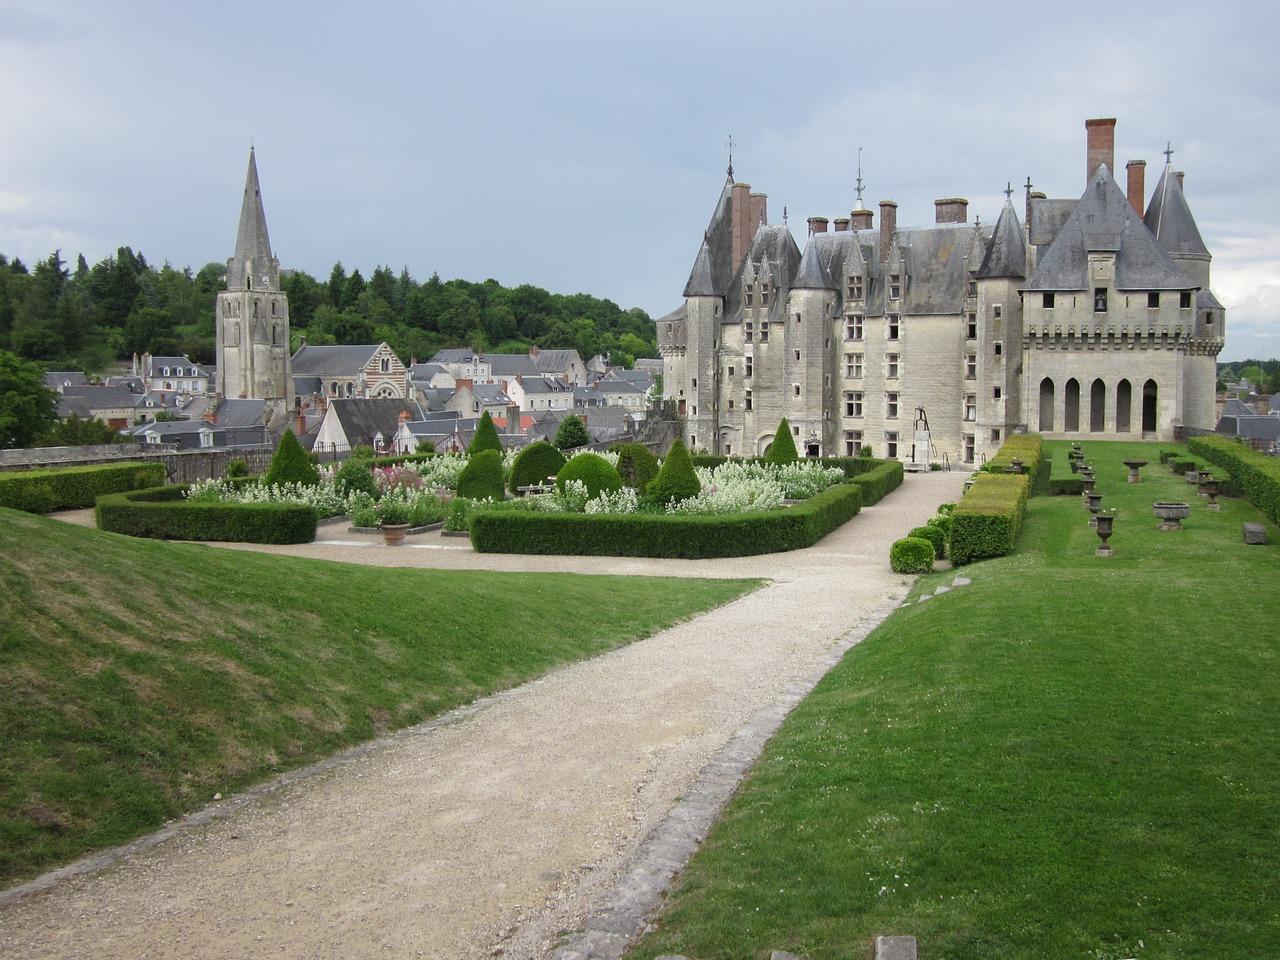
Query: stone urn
(1095, 504)
(1171, 514)
(1017, 464)
(393, 533)
(1211, 487)
(1105, 526)
(1074, 463)
(1087, 485)
(1134, 466)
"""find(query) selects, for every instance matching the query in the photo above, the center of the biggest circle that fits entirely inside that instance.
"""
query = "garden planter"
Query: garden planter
(1134, 466)
(1095, 504)
(1105, 523)
(1192, 476)
(393, 533)
(1210, 487)
(1171, 514)
(1086, 488)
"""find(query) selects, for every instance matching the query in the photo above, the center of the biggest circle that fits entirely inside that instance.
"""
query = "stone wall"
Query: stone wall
(182, 466)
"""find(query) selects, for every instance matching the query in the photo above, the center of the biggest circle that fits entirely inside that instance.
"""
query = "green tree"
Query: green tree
(76, 431)
(481, 478)
(783, 448)
(486, 436)
(676, 480)
(290, 464)
(572, 433)
(27, 409)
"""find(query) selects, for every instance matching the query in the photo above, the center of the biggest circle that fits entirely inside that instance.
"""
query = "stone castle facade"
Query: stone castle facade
(252, 313)
(1082, 317)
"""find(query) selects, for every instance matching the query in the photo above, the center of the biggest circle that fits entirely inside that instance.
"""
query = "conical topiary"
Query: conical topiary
(783, 449)
(676, 480)
(481, 478)
(486, 437)
(291, 464)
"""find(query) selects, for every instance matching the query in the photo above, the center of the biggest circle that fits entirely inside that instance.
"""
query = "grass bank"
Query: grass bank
(138, 678)
(1070, 757)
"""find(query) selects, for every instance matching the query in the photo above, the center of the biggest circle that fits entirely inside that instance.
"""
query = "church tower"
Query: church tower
(252, 320)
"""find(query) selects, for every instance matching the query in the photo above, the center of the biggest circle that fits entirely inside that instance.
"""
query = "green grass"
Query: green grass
(138, 678)
(1070, 758)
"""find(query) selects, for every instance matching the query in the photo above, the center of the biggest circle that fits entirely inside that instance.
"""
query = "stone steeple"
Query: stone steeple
(252, 266)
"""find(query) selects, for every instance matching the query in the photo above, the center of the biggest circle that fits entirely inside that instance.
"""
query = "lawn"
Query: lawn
(138, 678)
(1070, 757)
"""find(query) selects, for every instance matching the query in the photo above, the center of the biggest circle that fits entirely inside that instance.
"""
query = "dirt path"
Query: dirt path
(499, 831)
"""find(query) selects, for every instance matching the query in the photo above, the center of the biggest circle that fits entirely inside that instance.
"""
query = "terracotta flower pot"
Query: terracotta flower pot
(393, 533)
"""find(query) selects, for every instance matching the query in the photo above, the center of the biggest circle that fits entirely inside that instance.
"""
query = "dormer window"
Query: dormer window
(972, 288)
(1208, 318)
(764, 296)
(1153, 300)
(1100, 300)
(1184, 299)
(893, 327)
(895, 286)
(854, 288)
(748, 298)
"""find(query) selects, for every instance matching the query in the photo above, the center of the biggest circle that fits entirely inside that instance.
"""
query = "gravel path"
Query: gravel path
(497, 832)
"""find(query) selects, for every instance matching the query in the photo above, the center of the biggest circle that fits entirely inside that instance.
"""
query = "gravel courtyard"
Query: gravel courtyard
(496, 832)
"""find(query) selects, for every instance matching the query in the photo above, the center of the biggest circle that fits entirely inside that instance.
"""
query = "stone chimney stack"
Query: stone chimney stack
(841, 224)
(861, 219)
(513, 419)
(1179, 175)
(759, 213)
(888, 227)
(742, 226)
(1137, 187)
(817, 225)
(951, 210)
(1100, 134)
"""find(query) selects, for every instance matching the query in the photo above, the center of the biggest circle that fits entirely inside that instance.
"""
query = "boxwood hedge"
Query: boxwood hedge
(911, 555)
(1256, 475)
(667, 535)
(163, 513)
(935, 535)
(987, 521)
(74, 488)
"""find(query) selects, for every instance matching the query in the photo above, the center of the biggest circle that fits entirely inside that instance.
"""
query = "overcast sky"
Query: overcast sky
(581, 146)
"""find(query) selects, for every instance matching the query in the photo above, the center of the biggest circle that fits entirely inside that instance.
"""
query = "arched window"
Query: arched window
(275, 333)
(351, 388)
(235, 334)
(1071, 399)
(1098, 407)
(273, 308)
(255, 309)
(333, 389)
(1046, 405)
(1124, 404)
(1150, 407)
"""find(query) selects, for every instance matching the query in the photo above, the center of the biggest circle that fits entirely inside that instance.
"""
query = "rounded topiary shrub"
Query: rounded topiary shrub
(944, 522)
(534, 464)
(290, 464)
(356, 475)
(486, 437)
(911, 555)
(481, 478)
(572, 433)
(636, 465)
(677, 479)
(783, 448)
(934, 535)
(594, 471)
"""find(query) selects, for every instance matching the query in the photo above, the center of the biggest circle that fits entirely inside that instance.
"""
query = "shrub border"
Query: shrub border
(163, 513)
(1257, 476)
(75, 488)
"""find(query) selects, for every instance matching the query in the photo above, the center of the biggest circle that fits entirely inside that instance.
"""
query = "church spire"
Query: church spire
(251, 239)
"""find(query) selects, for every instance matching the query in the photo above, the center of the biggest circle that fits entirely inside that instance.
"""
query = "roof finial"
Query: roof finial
(1008, 189)
(1168, 153)
(730, 146)
(784, 215)
(859, 178)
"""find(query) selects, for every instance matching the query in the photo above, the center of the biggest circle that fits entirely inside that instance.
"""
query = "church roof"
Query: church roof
(813, 273)
(1006, 254)
(1170, 221)
(346, 360)
(1103, 221)
(252, 241)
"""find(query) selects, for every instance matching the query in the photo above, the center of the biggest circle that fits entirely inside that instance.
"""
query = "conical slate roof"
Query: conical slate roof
(251, 239)
(702, 278)
(714, 266)
(1006, 254)
(1170, 221)
(813, 273)
(1103, 221)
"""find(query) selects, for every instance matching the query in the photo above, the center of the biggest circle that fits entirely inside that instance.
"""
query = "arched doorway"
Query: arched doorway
(1097, 407)
(1046, 405)
(1150, 406)
(1124, 402)
(1072, 401)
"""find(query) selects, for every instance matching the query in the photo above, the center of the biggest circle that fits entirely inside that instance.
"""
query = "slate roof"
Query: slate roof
(610, 385)
(307, 386)
(544, 385)
(343, 361)
(1103, 220)
(191, 368)
(774, 254)
(714, 262)
(433, 399)
(1205, 300)
(1274, 407)
(58, 379)
(99, 397)
(425, 371)
(813, 273)
(1251, 427)
(69, 404)
(1048, 216)
(361, 419)
(555, 361)
(1170, 221)
(513, 364)
(1006, 254)
(489, 393)
(651, 364)
(1235, 407)
(241, 413)
(251, 237)
(454, 355)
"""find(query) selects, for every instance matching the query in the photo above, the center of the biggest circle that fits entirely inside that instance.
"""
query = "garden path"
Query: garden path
(500, 829)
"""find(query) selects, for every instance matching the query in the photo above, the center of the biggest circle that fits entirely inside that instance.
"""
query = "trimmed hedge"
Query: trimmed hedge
(1027, 447)
(481, 478)
(291, 464)
(74, 488)
(987, 521)
(935, 535)
(420, 457)
(1063, 486)
(535, 464)
(636, 464)
(911, 554)
(592, 470)
(1257, 476)
(667, 535)
(163, 513)
(879, 481)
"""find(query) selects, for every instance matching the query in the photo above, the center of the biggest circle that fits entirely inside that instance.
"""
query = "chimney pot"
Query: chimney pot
(950, 210)
(861, 218)
(1100, 136)
(841, 224)
(818, 225)
(1179, 175)
(1136, 187)
(888, 227)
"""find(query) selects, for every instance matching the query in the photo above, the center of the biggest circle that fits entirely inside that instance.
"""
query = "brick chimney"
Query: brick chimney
(1100, 134)
(888, 227)
(861, 219)
(950, 210)
(841, 224)
(817, 225)
(210, 415)
(462, 382)
(300, 422)
(1179, 175)
(1137, 187)
(742, 226)
(759, 212)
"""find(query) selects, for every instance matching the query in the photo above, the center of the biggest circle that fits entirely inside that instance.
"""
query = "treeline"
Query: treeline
(1263, 374)
(88, 317)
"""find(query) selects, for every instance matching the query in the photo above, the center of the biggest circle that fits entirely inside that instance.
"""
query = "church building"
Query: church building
(1081, 317)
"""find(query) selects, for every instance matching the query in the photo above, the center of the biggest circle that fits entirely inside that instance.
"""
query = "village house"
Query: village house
(172, 374)
(354, 371)
(356, 422)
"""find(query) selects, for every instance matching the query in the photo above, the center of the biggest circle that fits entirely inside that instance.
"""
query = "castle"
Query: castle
(252, 313)
(1084, 317)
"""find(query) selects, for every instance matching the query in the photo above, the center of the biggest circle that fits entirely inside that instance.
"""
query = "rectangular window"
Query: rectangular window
(999, 348)
(746, 401)
(893, 327)
(970, 407)
(895, 286)
(852, 443)
(1047, 300)
(970, 366)
(695, 383)
(693, 439)
(995, 435)
(891, 366)
(748, 371)
(730, 404)
(855, 288)
(891, 445)
(995, 393)
(997, 311)
(1153, 300)
(1099, 299)
(695, 409)
(797, 319)
(853, 365)
(731, 371)
(972, 289)
(1184, 299)
(968, 448)
(764, 296)
(853, 404)
(747, 299)
(797, 355)
(795, 387)
(748, 331)
(891, 406)
(971, 327)
(764, 331)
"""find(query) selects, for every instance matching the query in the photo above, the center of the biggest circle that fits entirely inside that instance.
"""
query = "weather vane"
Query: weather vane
(729, 144)
(784, 215)
(859, 178)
